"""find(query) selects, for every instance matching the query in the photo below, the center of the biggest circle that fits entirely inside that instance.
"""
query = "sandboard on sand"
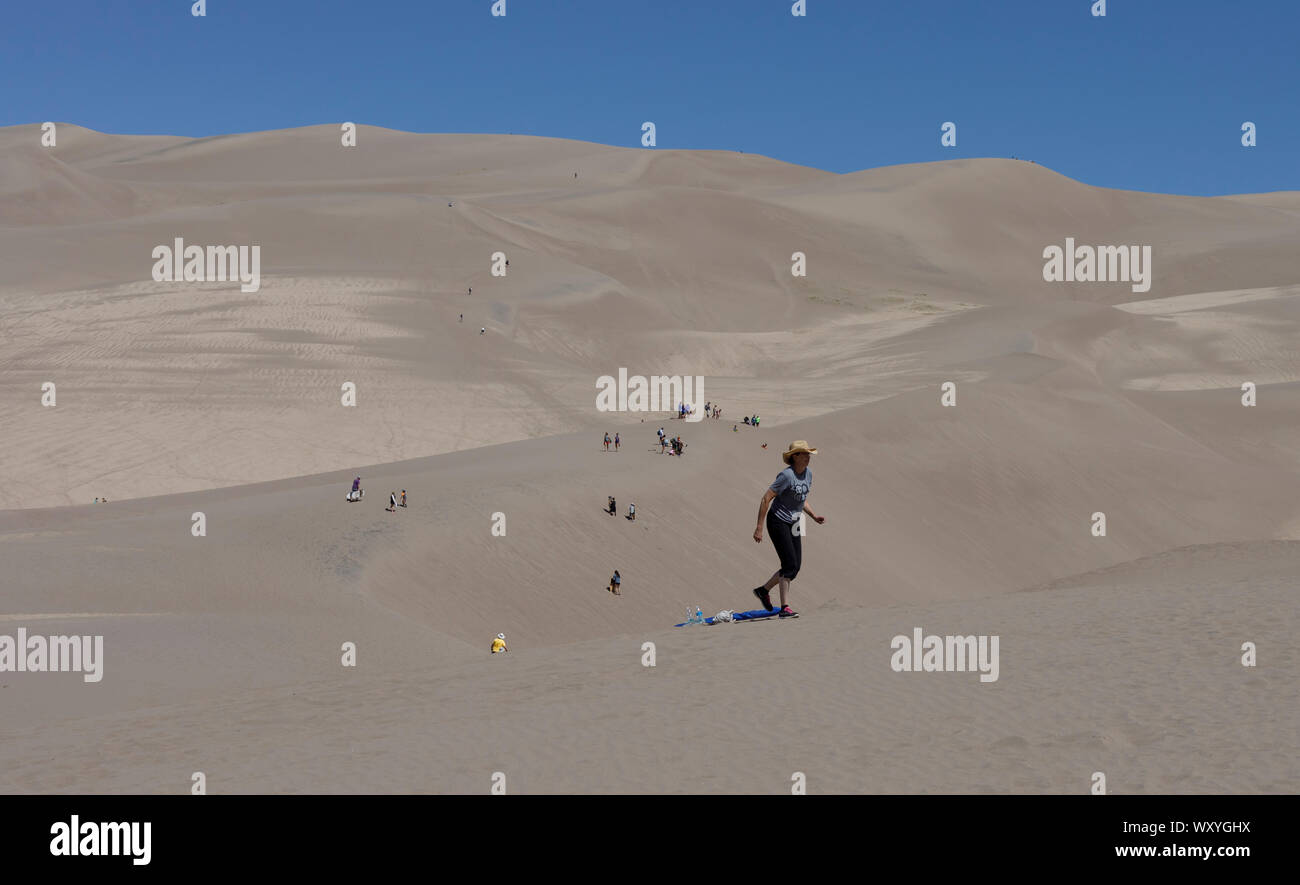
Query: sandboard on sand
(757, 614)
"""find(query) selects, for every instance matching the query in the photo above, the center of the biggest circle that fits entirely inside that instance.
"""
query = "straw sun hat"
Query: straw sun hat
(799, 445)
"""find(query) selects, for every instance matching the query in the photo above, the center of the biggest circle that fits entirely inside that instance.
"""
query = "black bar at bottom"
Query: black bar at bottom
(511, 836)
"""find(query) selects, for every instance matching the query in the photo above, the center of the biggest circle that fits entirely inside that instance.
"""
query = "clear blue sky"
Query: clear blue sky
(1151, 97)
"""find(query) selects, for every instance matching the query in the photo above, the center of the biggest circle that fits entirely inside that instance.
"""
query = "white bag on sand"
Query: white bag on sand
(723, 617)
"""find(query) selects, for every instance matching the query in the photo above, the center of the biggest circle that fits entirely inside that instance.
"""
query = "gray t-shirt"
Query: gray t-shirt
(791, 492)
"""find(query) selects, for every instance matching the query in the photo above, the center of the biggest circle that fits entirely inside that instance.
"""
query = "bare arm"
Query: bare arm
(817, 519)
(768, 497)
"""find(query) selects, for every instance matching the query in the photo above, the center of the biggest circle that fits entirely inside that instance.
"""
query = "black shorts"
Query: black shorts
(788, 545)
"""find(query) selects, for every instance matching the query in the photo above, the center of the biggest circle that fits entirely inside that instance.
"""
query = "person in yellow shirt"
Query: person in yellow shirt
(499, 644)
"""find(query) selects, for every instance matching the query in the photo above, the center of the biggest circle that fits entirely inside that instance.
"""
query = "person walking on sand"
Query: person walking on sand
(615, 583)
(616, 441)
(631, 511)
(392, 502)
(403, 497)
(499, 644)
(483, 330)
(613, 508)
(462, 317)
(607, 442)
(783, 505)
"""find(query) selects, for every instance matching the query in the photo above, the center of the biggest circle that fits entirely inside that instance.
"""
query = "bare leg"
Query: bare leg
(777, 579)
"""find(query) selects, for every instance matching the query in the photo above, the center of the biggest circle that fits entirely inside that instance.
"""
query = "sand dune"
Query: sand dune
(222, 652)
(1132, 671)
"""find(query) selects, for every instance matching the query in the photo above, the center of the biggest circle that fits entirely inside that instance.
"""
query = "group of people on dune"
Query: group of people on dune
(674, 442)
(358, 493)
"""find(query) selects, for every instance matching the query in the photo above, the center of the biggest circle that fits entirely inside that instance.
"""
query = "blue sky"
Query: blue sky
(1151, 97)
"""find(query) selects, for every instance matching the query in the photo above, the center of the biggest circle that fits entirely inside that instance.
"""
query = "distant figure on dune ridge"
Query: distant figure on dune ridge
(788, 497)
(499, 644)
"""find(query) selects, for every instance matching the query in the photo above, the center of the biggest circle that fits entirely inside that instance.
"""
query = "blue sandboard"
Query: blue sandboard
(757, 614)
